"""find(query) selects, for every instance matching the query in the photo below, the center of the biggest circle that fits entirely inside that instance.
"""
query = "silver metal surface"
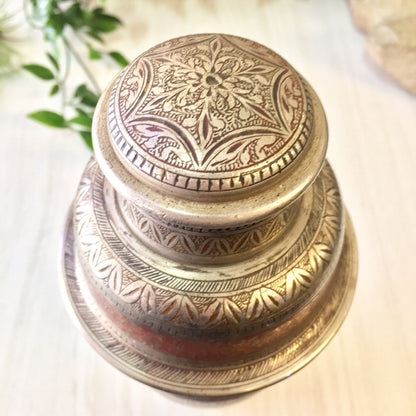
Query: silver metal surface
(208, 251)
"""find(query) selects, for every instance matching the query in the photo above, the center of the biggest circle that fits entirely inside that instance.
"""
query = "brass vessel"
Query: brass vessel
(208, 251)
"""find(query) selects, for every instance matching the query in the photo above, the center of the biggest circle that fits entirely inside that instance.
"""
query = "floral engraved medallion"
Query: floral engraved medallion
(212, 113)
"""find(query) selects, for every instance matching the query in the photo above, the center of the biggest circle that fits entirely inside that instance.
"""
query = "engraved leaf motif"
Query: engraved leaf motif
(89, 240)
(83, 188)
(188, 244)
(207, 246)
(214, 313)
(295, 280)
(318, 253)
(162, 141)
(205, 130)
(143, 224)
(181, 98)
(171, 240)
(291, 100)
(261, 79)
(95, 254)
(244, 114)
(271, 298)
(82, 216)
(115, 280)
(231, 101)
(222, 245)
(131, 293)
(148, 300)
(262, 112)
(260, 69)
(333, 196)
(231, 310)
(170, 307)
(189, 310)
(331, 227)
(103, 268)
(134, 91)
(156, 233)
(215, 45)
(179, 305)
(243, 150)
(256, 237)
(109, 269)
(241, 242)
(255, 306)
(261, 299)
(222, 308)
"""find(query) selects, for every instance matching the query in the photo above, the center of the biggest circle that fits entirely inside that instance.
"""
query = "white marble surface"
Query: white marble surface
(47, 368)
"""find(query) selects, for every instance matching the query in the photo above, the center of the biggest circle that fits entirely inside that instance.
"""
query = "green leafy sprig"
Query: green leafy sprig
(66, 23)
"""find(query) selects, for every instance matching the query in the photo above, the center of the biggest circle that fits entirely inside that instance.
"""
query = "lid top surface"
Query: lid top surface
(209, 113)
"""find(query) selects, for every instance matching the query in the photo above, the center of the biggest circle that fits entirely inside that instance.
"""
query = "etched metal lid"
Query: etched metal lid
(212, 113)
(209, 113)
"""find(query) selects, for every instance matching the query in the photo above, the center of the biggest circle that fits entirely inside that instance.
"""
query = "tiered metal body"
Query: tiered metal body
(208, 251)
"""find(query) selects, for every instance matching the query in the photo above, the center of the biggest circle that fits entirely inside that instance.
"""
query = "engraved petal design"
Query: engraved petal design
(261, 300)
(131, 292)
(222, 308)
(318, 253)
(171, 304)
(296, 280)
(179, 306)
(195, 110)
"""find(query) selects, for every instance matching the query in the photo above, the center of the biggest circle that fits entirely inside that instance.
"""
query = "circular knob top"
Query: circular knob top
(210, 130)
(209, 113)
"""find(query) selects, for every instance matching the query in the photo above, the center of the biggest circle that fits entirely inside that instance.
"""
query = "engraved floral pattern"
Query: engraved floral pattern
(203, 243)
(205, 85)
(186, 310)
(211, 106)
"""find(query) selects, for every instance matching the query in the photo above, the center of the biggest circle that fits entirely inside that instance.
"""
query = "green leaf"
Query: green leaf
(95, 36)
(101, 25)
(56, 24)
(53, 61)
(100, 12)
(86, 96)
(86, 136)
(74, 16)
(39, 71)
(119, 58)
(48, 118)
(83, 113)
(102, 22)
(92, 53)
(82, 120)
(80, 89)
(54, 90)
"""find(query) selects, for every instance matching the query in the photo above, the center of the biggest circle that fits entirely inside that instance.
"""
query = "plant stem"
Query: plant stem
(62, 81)
(82, 65)
(29, 16)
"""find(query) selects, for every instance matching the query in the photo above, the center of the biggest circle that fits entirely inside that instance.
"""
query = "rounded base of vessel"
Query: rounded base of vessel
(206, 379)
